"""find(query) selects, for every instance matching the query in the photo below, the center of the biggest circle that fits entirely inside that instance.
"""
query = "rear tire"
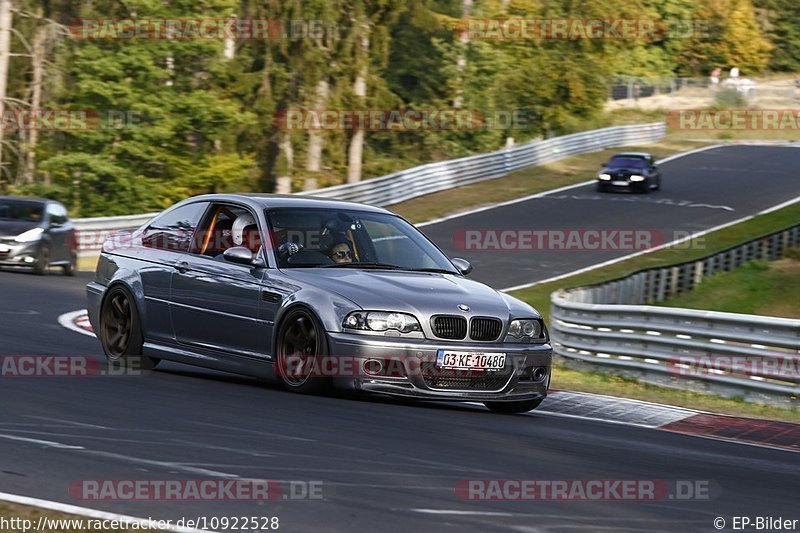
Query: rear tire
(71, 267)
(121, 331)
(301, 342)
(513, 408)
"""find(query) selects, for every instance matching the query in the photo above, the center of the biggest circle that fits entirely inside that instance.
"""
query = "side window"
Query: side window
(174, 230)
(219, 231)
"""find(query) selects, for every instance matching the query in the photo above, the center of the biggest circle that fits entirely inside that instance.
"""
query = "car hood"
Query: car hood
(12, 228)
(626, 170)
(419, 293)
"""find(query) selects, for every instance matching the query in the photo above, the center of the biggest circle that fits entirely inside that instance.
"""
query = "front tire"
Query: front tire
(42, 261)
(121, 331)
(513, 408)
(300, 346)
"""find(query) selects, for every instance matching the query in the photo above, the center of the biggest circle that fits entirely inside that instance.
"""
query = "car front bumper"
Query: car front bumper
(412, 363)
(21, 254)
(623, 185)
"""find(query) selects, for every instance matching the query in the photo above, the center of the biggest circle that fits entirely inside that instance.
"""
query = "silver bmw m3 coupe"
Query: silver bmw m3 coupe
(316, 294)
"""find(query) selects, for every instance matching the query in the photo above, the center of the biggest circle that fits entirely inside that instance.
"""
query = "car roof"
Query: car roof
(272, 201)
(641, 155)
(28, 199)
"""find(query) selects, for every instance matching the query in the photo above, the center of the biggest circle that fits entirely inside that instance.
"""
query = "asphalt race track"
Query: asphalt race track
(388, 466)
(699, 191)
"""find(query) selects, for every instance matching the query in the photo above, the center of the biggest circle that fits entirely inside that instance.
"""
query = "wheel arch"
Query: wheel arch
(131, 282)
(286, 311)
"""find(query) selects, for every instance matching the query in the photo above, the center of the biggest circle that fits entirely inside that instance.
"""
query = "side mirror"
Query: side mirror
(242, 256)
(463, 266)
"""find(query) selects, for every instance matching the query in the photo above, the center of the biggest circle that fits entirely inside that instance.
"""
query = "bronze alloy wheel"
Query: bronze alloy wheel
(120, 330)
(301, 341)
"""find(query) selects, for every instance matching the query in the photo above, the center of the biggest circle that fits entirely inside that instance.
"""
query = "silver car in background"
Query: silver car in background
(36, 233)
(315, 294)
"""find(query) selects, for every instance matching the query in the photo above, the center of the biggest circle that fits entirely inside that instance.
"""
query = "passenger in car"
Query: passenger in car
(341, 251)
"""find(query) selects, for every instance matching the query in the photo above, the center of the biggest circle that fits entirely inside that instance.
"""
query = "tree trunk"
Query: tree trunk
(315, 140)
(284, 180)
(461, 61)
(39, 42)
(355, 152)
(5, 43)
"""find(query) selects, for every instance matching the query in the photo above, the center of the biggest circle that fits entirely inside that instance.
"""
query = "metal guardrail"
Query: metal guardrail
(425, 179)
(91, 233)
(443, 175)
(607, 327)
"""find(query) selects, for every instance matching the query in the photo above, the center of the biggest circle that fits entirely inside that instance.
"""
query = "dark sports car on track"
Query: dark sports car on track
(629, 171)
(316, 294)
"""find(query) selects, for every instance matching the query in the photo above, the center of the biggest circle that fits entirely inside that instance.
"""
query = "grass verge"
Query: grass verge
(564, 378)
(770, 288)
(568, 379)
(88, 262)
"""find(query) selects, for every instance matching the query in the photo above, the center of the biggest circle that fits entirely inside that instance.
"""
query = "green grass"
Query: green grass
(757, 288)
(88, 263)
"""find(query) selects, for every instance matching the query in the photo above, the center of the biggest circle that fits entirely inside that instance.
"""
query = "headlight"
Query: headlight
(636, 177)
(29, 236)
(381, 321)
(525, 328)
(604, 176)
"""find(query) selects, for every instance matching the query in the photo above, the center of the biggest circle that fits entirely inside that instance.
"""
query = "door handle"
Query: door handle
(182, 267)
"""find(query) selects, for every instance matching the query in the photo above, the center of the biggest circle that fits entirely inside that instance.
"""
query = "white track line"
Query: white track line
(45, 443)
(89, 513)
(66, 320)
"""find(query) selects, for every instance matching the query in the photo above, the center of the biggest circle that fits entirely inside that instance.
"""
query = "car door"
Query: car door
(58, 232)
(217, 304)
(156, 248)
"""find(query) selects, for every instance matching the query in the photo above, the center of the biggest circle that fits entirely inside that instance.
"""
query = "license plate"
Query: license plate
(454, 360)
(619, 183)
(4, 248)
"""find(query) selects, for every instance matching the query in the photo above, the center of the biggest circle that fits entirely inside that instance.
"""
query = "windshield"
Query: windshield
(627, 162)
(23, 211)
(313, 237)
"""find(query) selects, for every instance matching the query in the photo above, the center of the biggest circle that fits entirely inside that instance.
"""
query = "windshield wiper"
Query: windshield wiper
(435, 270)
(385, 266)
